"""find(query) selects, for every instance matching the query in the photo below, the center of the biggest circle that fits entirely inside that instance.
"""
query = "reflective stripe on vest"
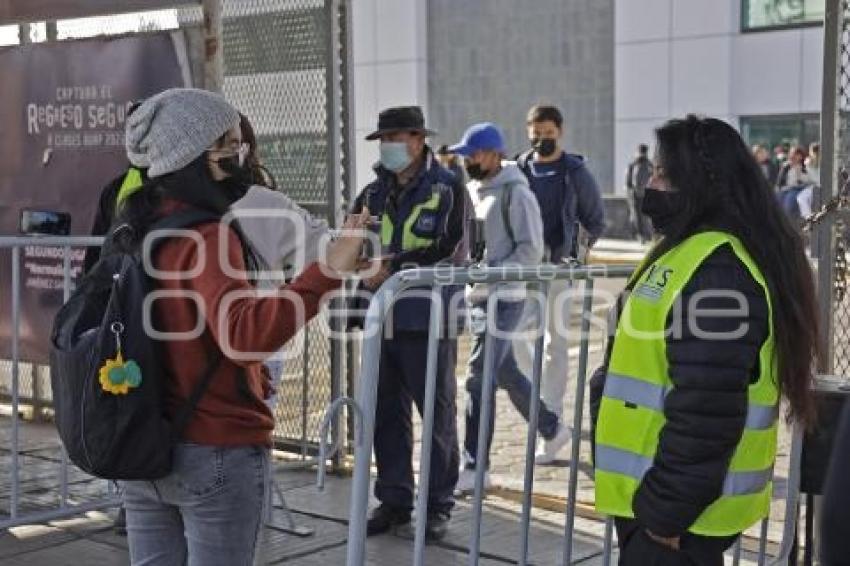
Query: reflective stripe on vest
(631, 415)
(634, 466)
(409, 239)
(645, 394)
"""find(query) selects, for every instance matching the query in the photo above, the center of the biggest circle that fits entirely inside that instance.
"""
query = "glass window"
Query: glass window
(762, 14)
(771, 131)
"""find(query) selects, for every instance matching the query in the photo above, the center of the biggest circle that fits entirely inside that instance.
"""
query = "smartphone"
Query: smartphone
(45, 222)
(370, 249)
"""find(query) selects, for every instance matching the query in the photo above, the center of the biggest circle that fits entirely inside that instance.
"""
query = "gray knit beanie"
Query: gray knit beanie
(173, 128)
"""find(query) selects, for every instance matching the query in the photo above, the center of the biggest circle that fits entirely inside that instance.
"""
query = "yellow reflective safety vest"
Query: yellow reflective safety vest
(131, 184)
(631, 415)
(419, 228)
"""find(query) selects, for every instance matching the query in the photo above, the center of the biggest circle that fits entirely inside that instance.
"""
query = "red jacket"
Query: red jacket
(230, 413)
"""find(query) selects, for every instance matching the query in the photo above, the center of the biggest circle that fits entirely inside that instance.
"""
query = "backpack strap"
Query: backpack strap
(522, 160)
(181, 419)
(180, 220)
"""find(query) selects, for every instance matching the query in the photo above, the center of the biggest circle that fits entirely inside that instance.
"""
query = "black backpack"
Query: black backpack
(111, 416)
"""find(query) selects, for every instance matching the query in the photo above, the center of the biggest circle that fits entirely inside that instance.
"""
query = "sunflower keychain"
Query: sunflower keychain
(116, 375)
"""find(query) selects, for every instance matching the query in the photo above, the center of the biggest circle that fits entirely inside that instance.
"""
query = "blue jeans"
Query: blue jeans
(207, 512)
(507, 375)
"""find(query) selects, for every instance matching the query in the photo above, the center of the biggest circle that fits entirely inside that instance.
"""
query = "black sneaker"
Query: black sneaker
(386, 518)
(437, 526)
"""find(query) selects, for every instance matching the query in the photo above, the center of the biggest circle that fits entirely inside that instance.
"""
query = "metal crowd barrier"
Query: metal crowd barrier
(65, 508)
(365, 404)
(111, 499)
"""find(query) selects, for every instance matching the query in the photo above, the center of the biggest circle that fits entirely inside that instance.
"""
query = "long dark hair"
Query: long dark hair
(722, 187)
(260, 175)
(192, 185)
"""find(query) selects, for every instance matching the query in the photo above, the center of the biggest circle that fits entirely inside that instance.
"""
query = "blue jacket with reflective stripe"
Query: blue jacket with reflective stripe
(385, 195)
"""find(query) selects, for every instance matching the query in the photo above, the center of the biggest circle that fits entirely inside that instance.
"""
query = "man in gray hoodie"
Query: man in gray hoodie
(513, 235)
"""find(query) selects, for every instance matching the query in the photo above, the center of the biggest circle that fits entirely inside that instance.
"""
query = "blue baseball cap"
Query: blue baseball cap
(485, 136)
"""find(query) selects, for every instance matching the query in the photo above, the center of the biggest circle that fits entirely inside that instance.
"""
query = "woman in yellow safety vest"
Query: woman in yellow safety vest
(717, 324)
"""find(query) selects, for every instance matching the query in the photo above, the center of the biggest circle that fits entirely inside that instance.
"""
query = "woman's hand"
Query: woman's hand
(343, 254)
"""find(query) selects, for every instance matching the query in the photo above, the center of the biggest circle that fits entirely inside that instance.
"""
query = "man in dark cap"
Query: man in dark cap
(420, 206)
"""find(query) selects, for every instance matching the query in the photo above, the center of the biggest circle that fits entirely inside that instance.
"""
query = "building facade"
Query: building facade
(488, 60)
(757, 64)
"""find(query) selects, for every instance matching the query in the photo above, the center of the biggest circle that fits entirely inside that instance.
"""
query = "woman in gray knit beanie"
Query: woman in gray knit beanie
(208, 509)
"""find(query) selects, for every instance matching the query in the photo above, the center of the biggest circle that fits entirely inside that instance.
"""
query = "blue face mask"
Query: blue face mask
(394, 156)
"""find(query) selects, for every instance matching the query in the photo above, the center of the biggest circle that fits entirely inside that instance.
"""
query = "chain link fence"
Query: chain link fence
(280, 61)
(278, 66)
(839, 313)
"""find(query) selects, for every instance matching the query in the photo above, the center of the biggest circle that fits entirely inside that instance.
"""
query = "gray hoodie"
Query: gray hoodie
(527, 247)
(284, 235)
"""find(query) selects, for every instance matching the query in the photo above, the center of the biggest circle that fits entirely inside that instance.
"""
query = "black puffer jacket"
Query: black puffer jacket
(707, 408)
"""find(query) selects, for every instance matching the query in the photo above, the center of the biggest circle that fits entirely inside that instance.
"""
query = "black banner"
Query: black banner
(62, 108)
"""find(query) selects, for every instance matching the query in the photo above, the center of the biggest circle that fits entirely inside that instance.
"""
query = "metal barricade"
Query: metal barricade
(366, 401)
(65, 508)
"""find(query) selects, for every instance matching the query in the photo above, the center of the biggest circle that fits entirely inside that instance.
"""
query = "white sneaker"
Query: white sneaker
(466, 482)
(548, 452)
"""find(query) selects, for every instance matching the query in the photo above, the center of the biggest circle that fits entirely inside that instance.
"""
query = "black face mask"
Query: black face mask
(475, 172)
(662, 207)
(544, 147)
(239, 174)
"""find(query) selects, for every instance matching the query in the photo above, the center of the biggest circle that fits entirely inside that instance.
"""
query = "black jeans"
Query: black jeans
(401, 382)
(637, 549)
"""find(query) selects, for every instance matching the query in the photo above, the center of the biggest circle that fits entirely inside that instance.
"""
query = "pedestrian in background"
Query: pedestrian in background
(813, 163)
(792, 183)
(768, 166)
(570, 204)
(637, 179)
(513, 236)
(717, 326)
(794, 172)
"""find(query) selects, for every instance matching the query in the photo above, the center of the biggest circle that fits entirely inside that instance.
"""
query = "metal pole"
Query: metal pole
(487, 401)
(16, 325)
(366, 399)
(607, 543)
(789, 529)
(736, 552)
(305, 391)
(213, 55)
(434, 332)
(349, 139)
(349, 164)
(578, 414)
(66, 294)
(533, 418)
(763, 543)
(334, 172)
(823, 244)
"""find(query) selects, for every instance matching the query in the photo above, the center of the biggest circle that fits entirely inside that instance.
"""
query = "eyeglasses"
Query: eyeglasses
(235, 147)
